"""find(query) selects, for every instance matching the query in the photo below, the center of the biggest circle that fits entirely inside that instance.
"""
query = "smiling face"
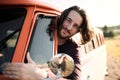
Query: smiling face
(70, 25)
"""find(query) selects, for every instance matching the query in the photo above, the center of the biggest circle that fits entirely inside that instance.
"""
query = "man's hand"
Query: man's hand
(22, 71)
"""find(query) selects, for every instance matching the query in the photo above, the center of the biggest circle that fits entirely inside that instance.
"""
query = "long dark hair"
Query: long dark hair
(84, 29)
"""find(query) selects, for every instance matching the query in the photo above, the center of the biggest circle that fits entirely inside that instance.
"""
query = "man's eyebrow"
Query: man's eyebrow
(69, 18)
(72, 20)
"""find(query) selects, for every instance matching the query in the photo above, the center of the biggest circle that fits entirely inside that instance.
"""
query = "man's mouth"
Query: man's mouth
(65, 32)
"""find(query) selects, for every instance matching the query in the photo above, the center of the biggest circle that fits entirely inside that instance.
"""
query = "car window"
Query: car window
(41, 47)
(11, 21)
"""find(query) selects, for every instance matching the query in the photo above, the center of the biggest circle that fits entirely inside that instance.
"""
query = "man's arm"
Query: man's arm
(24, 71)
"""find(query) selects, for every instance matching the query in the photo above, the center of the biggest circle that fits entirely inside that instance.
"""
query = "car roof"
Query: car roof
(37, 3)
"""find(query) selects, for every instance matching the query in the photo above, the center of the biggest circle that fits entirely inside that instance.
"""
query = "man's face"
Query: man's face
(70, 25)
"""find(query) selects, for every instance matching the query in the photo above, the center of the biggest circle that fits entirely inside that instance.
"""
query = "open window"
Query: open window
(41, 47)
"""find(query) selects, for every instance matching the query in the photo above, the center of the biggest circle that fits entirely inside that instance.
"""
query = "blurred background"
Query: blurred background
(104, 14)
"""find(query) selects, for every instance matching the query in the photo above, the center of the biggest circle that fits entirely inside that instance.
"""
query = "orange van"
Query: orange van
(23, 27)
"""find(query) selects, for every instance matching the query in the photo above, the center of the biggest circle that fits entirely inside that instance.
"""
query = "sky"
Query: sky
(100, 12)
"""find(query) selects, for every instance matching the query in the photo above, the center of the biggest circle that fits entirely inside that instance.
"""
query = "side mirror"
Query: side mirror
(61, 64)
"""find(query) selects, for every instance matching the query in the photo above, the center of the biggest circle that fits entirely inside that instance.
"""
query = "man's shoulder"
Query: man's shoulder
(72, 42)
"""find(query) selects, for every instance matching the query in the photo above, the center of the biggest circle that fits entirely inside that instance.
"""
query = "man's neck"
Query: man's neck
(61, 41)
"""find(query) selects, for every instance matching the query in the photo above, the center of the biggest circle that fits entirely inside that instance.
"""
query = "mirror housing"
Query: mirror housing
(62, 63)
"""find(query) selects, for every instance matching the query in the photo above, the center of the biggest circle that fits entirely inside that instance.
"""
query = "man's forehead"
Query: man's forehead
(75, 16)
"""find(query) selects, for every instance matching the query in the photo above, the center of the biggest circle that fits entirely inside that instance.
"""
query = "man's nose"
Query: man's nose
(69, 27)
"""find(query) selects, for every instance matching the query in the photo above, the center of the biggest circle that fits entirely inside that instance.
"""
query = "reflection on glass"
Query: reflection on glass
(11, 21)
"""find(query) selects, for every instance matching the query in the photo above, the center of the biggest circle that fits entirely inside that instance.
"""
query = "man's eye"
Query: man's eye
(68, 20)
(76, 26)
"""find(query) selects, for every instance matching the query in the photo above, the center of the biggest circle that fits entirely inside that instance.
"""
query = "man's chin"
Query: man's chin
(64, 37)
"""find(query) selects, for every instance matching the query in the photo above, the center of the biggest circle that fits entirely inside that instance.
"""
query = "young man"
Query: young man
(71, 21)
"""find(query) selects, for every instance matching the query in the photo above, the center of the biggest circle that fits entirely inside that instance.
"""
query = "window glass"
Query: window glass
(100, 37)
(41, 47)
(98, 40)
(95, 42)
(11, 21)
(90, 46)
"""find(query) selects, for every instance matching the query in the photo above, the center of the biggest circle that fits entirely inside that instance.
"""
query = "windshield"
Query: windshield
(11, 21)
